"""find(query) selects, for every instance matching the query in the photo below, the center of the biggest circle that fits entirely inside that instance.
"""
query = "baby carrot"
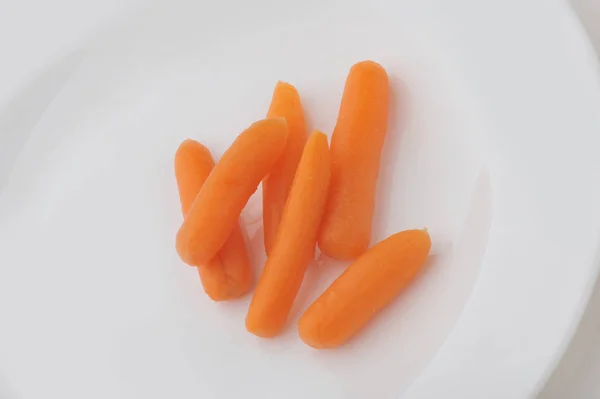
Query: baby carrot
(228, 275)
(364, 288)
(295, 243)
(285, 103)
(355, 151)
(193, 164)
(236, 176)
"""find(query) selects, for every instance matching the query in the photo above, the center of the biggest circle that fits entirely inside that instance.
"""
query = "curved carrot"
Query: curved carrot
(295, 243)
(285, 103)
(236, 176)
(228, 275)
(364, 288)
(355, 151)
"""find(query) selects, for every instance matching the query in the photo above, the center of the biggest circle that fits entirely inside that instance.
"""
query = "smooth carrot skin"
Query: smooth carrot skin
(193, 163)
(234, 179)
(276, 187)
(295, 243)
(365, 287)
(228, 275)
(356, 146)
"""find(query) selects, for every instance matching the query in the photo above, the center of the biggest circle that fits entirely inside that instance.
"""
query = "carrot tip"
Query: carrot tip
(369, 64)
(322, 136)
(260, 332)
(281, 83)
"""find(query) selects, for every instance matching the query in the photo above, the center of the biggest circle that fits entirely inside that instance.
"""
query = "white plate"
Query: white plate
(492, 146)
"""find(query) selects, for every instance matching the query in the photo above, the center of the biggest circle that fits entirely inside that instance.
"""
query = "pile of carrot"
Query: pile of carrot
(313, 194)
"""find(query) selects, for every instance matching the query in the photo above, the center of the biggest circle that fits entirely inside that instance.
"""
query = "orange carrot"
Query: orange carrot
(364, 288)
(228, 275)
(356, 146)
(193, 164)
(285, 103)
(295, 243)
(236, 176)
